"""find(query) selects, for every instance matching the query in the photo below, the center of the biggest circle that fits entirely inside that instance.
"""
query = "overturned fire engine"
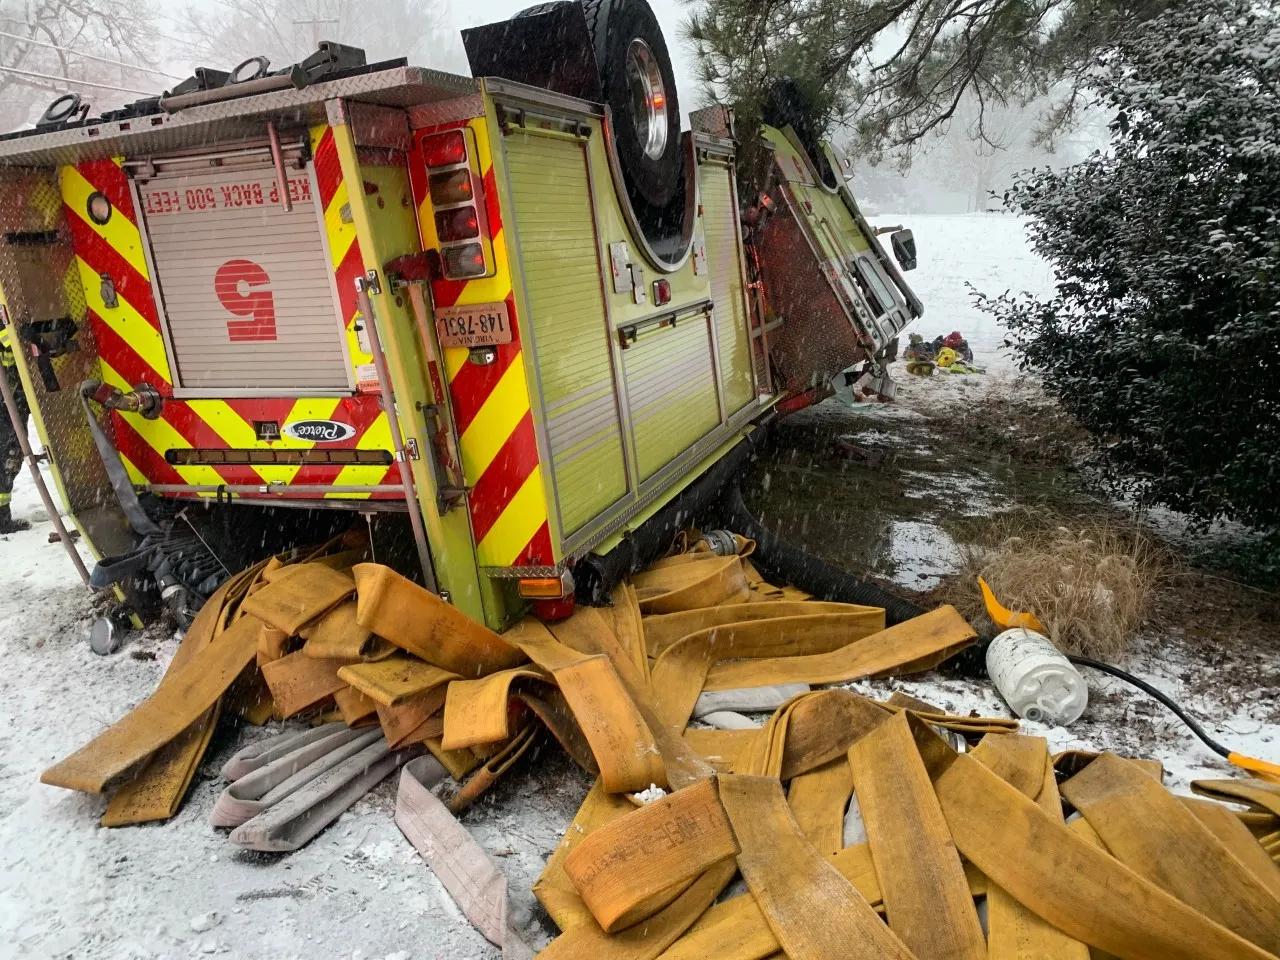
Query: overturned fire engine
(505, 322)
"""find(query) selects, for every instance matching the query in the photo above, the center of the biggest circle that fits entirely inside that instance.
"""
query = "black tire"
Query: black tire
(613, 25)
(540, 8)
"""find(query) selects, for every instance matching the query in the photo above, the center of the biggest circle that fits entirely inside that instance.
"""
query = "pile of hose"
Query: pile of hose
(781, 562)
(598, 574)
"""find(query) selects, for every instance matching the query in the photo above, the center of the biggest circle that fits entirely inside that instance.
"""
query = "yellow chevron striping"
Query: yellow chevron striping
(118, 231)
(236, 434)
(485, 290)
(497, 287)
(455, 358)
(501, 413)
(161, 436)
(134, 473)
(484, 156)
(504, 407)
(513, 530)
(341, 235)
(132, 328)
(312, 408)
(358, 356)
(377, 437)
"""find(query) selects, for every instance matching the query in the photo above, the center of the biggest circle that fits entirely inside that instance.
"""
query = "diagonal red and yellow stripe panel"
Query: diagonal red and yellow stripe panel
(490, 403)
(131, 351)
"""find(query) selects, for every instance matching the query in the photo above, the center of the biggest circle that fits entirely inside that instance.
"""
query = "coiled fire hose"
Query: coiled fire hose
(792, 565)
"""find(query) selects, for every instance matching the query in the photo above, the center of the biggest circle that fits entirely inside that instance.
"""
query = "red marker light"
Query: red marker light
(444, 149)
(460, 224)
(452, 186)
(464, 261)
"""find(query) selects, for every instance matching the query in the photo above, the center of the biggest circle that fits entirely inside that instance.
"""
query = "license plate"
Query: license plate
(477, 325)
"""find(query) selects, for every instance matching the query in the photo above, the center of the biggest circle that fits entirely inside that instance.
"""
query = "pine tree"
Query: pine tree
(897, 70)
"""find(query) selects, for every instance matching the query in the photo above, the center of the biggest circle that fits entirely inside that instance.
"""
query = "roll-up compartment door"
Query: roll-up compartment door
(720, 221)
(247, 298)
(555, 226)
(671, 388)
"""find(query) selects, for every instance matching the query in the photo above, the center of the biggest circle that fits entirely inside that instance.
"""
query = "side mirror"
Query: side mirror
(904, 249)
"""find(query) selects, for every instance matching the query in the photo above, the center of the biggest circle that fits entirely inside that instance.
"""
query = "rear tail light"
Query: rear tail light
(553, 597)
(464, 262)
(457, 199)
(549, 611)
(458, 224)
(546, 588)
(452, 186)
(444, 149)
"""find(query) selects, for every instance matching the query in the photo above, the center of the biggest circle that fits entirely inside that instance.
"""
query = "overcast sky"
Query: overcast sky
(469, 13)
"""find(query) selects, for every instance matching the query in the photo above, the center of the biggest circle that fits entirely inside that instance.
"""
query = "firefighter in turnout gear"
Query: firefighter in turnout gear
(10, 450)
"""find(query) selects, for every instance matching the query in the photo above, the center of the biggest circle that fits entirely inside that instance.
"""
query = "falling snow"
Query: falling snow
(178, 889)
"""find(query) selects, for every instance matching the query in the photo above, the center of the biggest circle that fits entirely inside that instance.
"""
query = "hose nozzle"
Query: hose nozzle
(143, 399)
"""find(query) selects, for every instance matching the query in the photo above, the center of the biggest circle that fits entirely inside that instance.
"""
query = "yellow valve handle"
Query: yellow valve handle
(1005, 618)
(1261, 769)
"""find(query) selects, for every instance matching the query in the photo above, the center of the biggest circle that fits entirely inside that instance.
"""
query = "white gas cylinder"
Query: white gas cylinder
(1035, 679)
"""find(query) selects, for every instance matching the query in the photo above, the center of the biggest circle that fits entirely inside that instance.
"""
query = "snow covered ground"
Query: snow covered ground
(178, 889)
(987, 250)
(990, 252)
(69, 888)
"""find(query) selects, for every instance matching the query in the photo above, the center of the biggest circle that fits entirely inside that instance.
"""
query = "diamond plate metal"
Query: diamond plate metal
(518, 573)
(230, 120)
(817, 339)
(41, 282)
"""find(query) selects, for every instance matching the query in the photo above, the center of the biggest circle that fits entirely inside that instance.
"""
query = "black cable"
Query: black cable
(1164, 698)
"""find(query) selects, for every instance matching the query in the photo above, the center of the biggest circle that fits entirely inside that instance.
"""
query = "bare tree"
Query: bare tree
(102, 49)
(981, 150)
(224, 33)
(977, 153)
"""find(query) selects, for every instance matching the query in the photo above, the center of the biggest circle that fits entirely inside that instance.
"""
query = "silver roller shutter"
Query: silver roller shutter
(724, 250)
(555, 224)
(245, 289)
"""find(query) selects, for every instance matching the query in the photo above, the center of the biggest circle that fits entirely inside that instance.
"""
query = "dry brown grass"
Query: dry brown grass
(1092, 582)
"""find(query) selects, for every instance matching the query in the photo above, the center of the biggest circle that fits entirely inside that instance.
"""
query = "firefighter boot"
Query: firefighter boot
(10, 464)
(7, 523)
(9, 467)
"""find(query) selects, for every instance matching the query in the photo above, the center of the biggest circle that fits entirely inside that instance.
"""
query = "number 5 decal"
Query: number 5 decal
(243, 288)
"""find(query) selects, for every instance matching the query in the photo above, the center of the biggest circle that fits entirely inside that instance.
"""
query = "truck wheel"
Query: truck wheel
(640, 88)
(539, 8)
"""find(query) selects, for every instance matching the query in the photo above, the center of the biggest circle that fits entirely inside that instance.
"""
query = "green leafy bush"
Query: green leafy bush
(1163, 336)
